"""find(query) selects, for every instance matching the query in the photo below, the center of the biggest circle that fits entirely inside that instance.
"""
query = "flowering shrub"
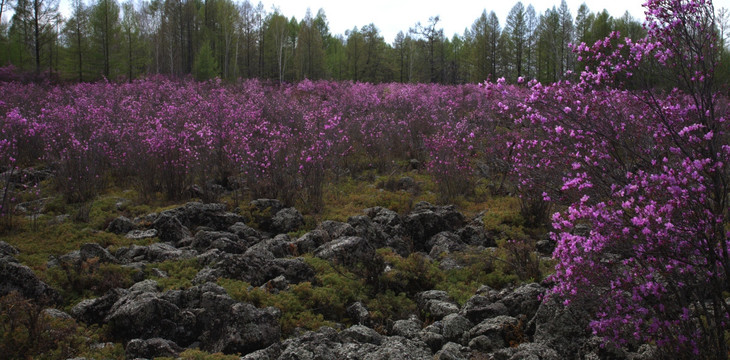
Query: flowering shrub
(647, 172)
(164, 136)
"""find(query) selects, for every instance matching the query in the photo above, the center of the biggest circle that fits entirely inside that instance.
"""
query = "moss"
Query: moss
(88, 279)
(390, 305)
(28, 333)
(195, 354)
(180, 273)
(410, 275)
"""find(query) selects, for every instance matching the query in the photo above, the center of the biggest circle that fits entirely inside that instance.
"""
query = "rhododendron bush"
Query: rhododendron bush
(163, 136)
(647, 171)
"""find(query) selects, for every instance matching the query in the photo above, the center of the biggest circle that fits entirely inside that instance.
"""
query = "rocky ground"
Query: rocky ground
(511, 323)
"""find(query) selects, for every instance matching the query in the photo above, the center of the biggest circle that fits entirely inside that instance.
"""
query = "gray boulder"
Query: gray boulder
(367, 229)
(436, 304)
(246, 233)
(454, 328)
(361, 334)
(311, 241)
(479, 307)
(279, 246)
(527, 351)
(408, 328)
(524, 300)
(170, 229)
(427, 220)
(499, 331)
(143, 315)
(346, 251)
(444, 242)
(94, 250)
(221, 240)
(358, 312)
(94, 311)
(452, 351)
(287, 220)
(336, 229)
(151, 348)
(399, 348)
(246, 329)
(7, 249)
(141, 234)
(120, 225)
(476, 235)
(20, 278)
(263, 211)
(214, 216)
(564, 329)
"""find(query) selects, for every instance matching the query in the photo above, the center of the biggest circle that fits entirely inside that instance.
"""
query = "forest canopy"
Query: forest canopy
(238, 39)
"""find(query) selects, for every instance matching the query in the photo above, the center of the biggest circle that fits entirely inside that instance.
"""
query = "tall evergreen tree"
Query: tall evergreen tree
(105, 34)
(516, 28)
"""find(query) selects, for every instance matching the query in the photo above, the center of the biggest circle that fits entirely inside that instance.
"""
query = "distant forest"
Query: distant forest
(231, 40)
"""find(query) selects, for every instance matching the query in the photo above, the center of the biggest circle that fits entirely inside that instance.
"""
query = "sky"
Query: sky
(392, 16)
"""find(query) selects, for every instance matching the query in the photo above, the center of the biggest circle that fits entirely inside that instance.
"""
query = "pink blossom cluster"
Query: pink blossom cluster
(163, 136)
(645, 171)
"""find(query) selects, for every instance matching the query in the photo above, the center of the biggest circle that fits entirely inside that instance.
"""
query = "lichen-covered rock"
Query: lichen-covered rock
(287, 220)
(346, 251)
(436, 304)
(263, 211)
(120, 225)
(141, 234)
(311, 241)
(358, 312)
(408, 328)
(336, 229)
(563, 329)
(499, 331)
(361, 334)
(221, 240)
(454, 328)
(94, 311)
(151, 348)
(476, 236)
(170, 229)
(427, 220)
(94, 250)
(452, 351)
(20, 278)
(7, 249)
(143, 315)
(527, 351)
(246, 233)
(524, 300)
(246, 329)
(444, 242)
(479, 307)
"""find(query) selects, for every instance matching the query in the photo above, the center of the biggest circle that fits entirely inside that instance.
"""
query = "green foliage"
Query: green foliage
(195, 354)
(206, 66)
(410, 275)
(296, 304)
(390, 305)
(306, 305)
(478, 269)
(90, 278)
(26, 332)
(180, 273)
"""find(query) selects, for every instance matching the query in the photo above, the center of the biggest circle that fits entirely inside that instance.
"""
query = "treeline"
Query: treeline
(209, 38)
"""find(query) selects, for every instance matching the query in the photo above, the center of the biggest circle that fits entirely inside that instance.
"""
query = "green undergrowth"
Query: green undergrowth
(180, 273)
(195, 354)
